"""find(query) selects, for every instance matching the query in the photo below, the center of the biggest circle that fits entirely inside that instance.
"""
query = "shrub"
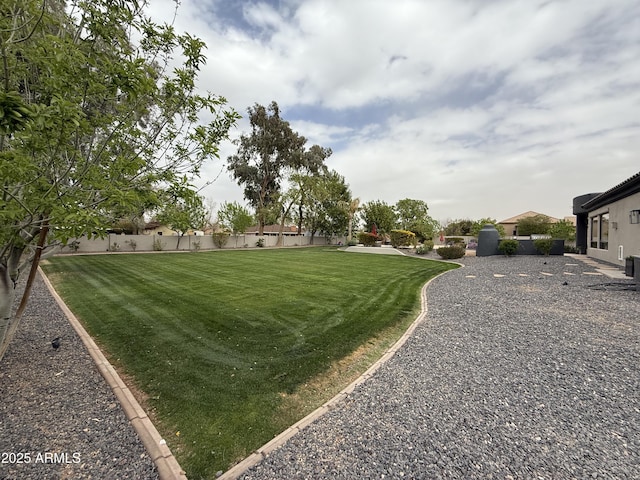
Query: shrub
(367, 239)
(402, 238)
(454, 241)
(425, 248)
(454, 251)
(508, 247)
(260, 242)
(133, 244)
(158, 245)
(220, 239)
(571, 249)
(351, 243)
(196, 246)
(115, 247)
(75, 245)
(543, 245)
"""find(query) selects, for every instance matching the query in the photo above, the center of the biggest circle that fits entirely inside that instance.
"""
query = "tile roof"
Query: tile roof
(630, 186)
(528, 214)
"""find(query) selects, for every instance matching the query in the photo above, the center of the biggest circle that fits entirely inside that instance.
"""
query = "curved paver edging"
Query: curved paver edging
(261, 453)
(166, 464)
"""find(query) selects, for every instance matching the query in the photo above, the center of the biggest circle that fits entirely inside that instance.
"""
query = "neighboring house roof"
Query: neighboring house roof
(152, 225)
(528, 214)
(630, 186)
(158, 227)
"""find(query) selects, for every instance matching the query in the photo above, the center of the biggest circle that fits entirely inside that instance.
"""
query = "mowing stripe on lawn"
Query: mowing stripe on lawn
(215, 339)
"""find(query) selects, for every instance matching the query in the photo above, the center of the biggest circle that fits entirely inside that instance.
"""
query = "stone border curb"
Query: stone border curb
(166, 464)
(260, 454)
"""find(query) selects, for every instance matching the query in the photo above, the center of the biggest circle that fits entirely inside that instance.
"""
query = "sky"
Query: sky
(480, 108)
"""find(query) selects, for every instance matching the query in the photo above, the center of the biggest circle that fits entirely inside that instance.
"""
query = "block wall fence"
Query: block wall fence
(145, 243)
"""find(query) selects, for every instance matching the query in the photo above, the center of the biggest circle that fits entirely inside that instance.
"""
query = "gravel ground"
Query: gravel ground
(510, 376)
(56, 402)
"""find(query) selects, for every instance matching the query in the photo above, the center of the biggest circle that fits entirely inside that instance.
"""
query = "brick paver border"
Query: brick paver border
(166, 464)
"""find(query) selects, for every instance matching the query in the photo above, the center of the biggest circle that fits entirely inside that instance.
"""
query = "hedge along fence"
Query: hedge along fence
(148, 243)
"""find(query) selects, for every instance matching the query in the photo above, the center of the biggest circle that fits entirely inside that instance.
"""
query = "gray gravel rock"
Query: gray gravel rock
(58, 417)
(517, 375)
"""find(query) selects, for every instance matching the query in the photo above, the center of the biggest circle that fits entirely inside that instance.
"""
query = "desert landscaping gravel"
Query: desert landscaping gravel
(526, 367)
(58, 417)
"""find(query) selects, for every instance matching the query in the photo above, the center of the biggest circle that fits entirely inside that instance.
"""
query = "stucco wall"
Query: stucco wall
(145, 243)
(621, 231)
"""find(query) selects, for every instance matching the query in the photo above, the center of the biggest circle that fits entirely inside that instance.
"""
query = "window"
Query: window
(595, 221)
(600, 231)
(604, 231)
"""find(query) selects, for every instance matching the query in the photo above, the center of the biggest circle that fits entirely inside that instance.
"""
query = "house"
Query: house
(608, 224)
(511, 224)
(157, 228)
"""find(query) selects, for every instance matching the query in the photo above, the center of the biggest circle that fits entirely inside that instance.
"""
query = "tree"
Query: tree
(380, 214)
(413, 215)
(537, 224)
(479, 224)
(89, 121)
(234, 217)
(183, 210)
(352, 208)
(313, 164)
(130, 218)
(325, 204)
(264, 156)
(459, 228)
(284, 203)
(564, 230)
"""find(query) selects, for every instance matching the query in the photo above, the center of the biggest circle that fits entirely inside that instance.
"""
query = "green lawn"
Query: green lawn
(221, 341)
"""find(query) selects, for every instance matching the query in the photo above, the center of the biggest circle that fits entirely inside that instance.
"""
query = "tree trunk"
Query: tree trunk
(280, 231)
(285, 214)
(300, 213)
(7, 296)
(8, 326)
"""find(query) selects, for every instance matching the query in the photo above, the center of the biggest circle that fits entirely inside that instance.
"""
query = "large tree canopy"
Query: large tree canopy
(380, 214)
(326, 204)
(413, 215)
(267, 154)
(92, 116)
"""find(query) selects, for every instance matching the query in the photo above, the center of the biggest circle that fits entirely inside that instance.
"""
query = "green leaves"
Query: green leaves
(14, 112)
(234, 217)
(267, 154)
(91, 118)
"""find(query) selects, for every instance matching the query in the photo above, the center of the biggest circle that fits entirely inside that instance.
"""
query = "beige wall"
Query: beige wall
(161, 230)
(621, 232)
(144, 243)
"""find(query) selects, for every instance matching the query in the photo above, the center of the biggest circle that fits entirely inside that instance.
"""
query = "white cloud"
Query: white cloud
(481, 108)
